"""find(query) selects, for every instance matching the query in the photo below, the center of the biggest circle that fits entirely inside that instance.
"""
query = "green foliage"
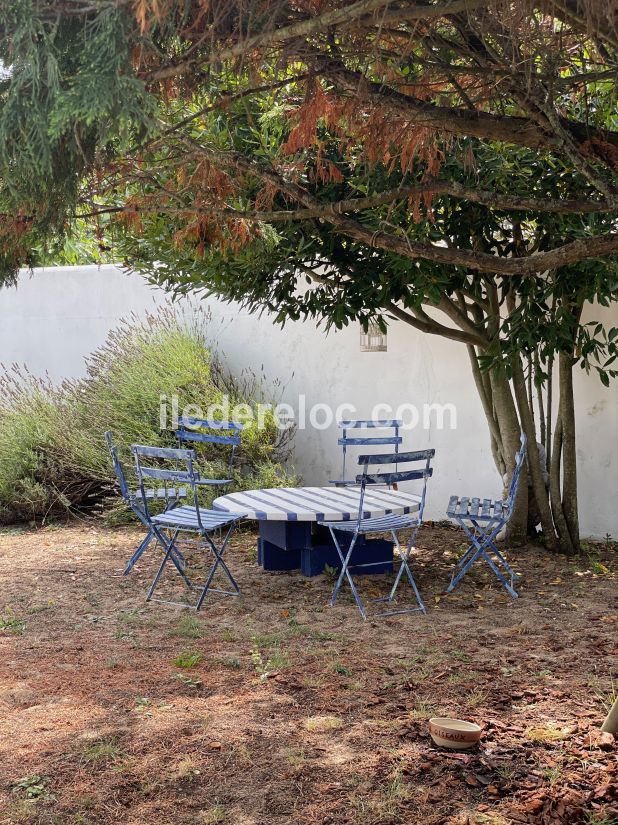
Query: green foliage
(53, 459)
(188, 659)
(34, 787)
(60, 104)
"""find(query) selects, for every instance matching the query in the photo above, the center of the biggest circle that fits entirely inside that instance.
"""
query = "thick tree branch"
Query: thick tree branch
(435, 187)
(520, 131)
(573, 252)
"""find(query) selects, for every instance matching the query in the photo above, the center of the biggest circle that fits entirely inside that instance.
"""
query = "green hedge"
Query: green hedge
(53, 458)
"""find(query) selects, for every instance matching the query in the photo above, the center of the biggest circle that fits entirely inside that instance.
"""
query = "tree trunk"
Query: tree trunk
(508, 424)
(569, 452)
(610, 725)
(534, 463)
(555, 484)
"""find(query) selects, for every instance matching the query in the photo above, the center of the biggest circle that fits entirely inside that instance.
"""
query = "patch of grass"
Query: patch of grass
(188, 659)
(323, 723)
(41, 608)
(548, 734)
(342, 670)
(105, 750)
(232, 663)
(129, 616)
(476, 698)
(387, 806)
(423, 709)
(278, 660)
(295, 757)
(188, 681)
(212, 816)
(34, 787)
(461, 656)
(187, 627)
(327, 636)
(185, 770)
(21, 811)
(552, 775)
(595, 818)
(267, 640)
(10, 622)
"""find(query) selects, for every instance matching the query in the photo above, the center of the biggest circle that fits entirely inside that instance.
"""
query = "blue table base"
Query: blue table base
(294, 545)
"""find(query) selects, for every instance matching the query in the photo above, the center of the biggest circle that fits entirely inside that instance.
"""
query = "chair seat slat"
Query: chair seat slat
(179, 476)
(395, 478)
(163, 452)
(396, 458)
(378, 424)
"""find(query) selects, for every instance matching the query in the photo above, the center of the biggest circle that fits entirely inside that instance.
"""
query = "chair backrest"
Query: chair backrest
(520, 458)
(357, 440)
(227, 432)
(395, 476)
(165, 464)
(118, 469)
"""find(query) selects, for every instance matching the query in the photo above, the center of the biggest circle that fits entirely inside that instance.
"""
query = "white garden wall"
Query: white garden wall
(55, 317)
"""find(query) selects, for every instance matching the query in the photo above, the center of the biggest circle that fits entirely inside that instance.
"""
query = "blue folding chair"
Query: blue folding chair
(365, 441)
(389, 523)
(170, 527)
(482, 521)
(168, 496)
(227, 433)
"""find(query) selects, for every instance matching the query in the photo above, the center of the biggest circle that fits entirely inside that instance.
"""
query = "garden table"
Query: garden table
(290, 534)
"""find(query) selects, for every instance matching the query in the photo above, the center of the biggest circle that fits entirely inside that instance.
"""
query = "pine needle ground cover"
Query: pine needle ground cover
(274, 709)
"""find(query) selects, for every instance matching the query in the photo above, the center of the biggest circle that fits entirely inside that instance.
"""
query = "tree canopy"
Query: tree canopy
(449, 163)
(104, 95)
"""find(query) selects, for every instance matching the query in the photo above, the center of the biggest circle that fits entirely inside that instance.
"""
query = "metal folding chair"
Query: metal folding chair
(481, 522)
(365, 441)
(175, 525)
(226, 433)
(168, 496)
(384, 524)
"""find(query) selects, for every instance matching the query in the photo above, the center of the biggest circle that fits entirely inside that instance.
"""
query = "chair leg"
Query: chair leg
(218, 561)
(155, 581)
(168, 544)
(478, 549)
(490, 543)
(138, 553)
(404, 566)
(345, 560)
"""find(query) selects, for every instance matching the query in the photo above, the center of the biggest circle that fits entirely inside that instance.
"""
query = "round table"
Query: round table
(290, 535)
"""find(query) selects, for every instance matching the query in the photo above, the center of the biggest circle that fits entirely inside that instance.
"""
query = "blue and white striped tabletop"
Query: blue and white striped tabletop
(316, 503)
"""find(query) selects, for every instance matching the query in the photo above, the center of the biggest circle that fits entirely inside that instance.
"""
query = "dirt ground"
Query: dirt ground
(275, 708)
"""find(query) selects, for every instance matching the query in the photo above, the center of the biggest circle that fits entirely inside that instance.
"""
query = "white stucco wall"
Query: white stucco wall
(57, 316)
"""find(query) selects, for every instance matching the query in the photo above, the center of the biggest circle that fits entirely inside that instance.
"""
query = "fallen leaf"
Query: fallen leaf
(600, 739)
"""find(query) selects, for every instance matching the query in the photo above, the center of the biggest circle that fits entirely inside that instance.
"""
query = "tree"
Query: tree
(461, 150)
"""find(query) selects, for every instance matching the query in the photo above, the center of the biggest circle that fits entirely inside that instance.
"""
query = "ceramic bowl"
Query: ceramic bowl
(454, 733)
